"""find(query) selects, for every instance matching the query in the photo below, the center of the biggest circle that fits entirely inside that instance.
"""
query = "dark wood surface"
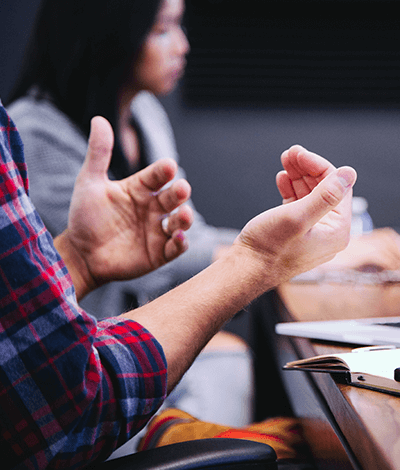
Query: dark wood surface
(366, 422)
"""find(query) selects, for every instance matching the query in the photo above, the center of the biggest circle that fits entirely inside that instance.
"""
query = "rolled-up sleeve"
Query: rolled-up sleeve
(127, 374)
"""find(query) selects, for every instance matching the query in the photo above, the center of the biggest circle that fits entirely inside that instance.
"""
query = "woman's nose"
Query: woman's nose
(182, 44)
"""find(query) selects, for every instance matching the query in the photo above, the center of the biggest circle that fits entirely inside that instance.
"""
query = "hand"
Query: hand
(115, 227)
(313, 223)
(303, 170)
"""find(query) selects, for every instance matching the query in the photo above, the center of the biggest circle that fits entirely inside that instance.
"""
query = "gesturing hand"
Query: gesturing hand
(115, 227)
(303, 170)
(311, 226)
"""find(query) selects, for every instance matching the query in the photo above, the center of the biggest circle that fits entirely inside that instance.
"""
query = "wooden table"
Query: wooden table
(366, 423)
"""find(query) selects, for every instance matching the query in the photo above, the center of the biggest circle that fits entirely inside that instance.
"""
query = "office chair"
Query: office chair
(204, 454)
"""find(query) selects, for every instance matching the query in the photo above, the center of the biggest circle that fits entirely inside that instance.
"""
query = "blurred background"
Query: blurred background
(263, 75)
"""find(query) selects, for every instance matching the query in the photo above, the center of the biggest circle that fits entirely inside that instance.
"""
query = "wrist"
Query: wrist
(256, 274)
(76, 265)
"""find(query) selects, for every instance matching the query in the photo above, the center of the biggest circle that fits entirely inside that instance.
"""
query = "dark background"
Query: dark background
(322, 73)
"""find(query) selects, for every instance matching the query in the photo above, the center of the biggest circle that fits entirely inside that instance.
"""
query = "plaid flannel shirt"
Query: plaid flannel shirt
(71, 389)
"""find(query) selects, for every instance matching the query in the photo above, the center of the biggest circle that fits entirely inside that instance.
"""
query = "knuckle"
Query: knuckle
(331, 196)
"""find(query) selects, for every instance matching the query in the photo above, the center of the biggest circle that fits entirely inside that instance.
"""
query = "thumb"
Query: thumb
(327, 195)
(100, 145)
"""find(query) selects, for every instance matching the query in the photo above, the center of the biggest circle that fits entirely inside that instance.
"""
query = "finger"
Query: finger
(176, 245)
(292, 190)
(172, 197)
(298, 162)
(285, 187)
(305, 169)
(100, 145)
(326, 197)
(153, 177)
(180, 220)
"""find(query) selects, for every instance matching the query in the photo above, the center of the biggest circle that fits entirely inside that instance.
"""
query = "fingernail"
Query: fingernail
(346, 176)
(181, 235)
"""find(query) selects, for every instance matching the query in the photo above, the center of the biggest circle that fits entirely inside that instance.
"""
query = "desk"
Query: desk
(367, 423)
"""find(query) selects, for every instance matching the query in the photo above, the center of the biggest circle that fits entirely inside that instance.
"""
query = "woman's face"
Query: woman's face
(162, 59)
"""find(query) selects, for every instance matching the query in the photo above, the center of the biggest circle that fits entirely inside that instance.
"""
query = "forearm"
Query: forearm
(184, 319)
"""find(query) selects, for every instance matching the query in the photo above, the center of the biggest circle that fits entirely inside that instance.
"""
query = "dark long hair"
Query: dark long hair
(80, 52)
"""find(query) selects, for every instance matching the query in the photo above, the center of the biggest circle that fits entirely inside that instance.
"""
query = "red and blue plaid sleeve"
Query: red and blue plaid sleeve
(71, 389)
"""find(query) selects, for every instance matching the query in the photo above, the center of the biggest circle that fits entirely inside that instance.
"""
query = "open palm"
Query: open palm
(116, 225)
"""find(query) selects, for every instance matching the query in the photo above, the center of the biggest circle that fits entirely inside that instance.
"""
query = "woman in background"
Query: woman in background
(111, 58)
(106, 58)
